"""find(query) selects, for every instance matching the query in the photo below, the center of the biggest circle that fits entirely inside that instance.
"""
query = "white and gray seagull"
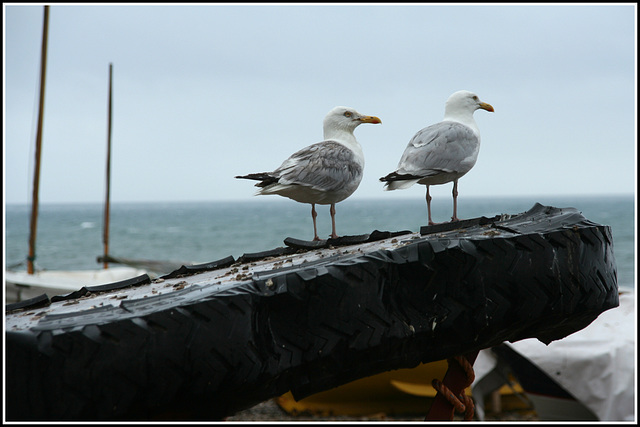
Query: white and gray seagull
(442, 152)
(324, 173)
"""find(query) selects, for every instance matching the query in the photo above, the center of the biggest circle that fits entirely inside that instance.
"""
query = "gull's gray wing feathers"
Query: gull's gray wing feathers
(445, 147)
(324, 166)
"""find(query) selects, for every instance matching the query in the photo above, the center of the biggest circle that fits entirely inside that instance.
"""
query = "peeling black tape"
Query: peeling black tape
(187, 270)
(35, 302)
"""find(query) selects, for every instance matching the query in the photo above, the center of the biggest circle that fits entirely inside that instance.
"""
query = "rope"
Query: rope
(461, 403)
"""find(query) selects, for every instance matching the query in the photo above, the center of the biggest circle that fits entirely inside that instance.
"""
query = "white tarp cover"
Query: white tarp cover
(596, 364)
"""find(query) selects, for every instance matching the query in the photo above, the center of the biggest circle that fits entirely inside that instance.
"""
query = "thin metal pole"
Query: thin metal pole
(36, 175)
(105, 236)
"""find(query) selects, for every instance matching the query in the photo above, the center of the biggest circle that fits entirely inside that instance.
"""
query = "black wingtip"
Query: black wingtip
(387, 177)
(394, 176)
(264, 178)
(254, 176)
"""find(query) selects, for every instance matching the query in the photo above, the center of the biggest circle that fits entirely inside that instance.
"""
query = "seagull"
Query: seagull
(323, 173)
(442, 152)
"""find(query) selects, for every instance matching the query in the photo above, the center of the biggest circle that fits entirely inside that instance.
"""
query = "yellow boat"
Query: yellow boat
(398, 392)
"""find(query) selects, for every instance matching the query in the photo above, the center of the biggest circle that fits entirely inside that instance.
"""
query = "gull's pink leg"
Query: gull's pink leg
(455, 201)
(332, 210)
(429, 206)
(314, 215)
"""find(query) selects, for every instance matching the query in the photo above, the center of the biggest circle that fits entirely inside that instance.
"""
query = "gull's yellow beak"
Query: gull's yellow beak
(370, 119)
(486, 106)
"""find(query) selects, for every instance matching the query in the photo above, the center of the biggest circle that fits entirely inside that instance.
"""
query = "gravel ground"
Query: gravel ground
(270, 411)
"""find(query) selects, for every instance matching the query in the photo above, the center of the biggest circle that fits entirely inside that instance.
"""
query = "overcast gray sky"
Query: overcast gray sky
(206, 92)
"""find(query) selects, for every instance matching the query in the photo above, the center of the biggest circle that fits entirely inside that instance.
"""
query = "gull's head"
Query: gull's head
(465, 102)
(346, 119)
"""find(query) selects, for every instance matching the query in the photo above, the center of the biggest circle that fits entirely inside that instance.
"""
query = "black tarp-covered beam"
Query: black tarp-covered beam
(211, 348)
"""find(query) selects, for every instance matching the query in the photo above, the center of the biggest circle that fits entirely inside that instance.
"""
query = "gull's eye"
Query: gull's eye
(475, 98)
(347, 114)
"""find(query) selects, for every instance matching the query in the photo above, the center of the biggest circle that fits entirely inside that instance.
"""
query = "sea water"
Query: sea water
(70, 236)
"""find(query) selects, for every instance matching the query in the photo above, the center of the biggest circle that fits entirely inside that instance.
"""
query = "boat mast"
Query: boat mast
(105, 235)
(36, 175)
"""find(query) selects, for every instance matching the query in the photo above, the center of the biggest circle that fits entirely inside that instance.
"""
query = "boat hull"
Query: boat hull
(20, 286)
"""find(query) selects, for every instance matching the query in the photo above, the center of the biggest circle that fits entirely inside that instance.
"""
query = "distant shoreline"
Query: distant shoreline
(383, 198)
